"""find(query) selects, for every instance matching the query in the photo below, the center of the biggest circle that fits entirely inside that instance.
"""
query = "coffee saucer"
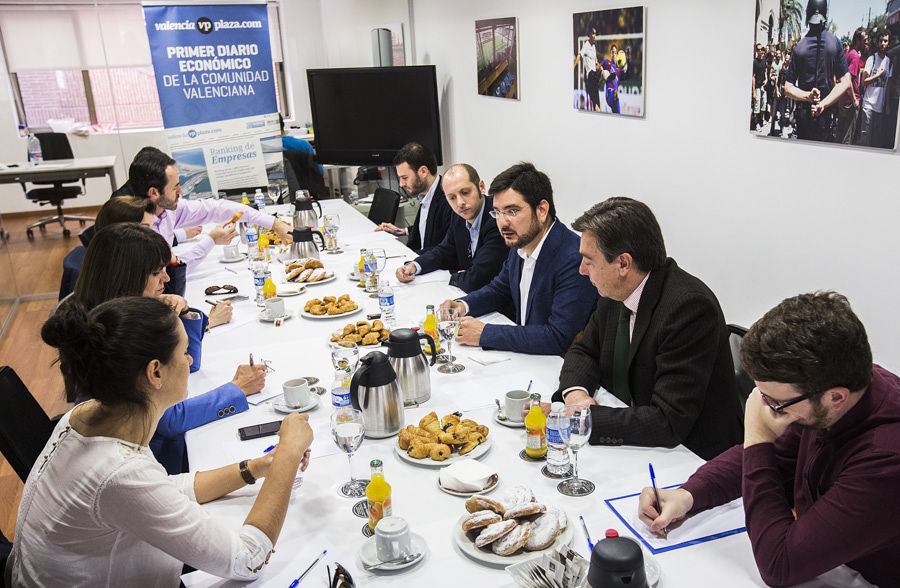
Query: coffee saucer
(369, 557)
(265, 316)
(509, 423)
(240, 257)
(279, 405)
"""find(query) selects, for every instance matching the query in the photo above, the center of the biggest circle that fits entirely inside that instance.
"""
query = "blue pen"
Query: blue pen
(268, 449)
(586, 534)
(658, 503)
(315, 561)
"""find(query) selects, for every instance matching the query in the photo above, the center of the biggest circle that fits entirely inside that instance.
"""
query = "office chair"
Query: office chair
(55, 146)
(302, 173)
(744, 383)
(24, 426)
(384, 208)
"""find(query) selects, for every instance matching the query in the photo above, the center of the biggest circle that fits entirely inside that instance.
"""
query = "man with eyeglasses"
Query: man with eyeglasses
(539, 280)
(821, 439)
(657, 340)
(472, 248)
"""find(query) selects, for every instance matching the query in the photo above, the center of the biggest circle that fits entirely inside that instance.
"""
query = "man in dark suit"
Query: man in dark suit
(657, 340)
(539, 279)
(472, 249)
(417, 170)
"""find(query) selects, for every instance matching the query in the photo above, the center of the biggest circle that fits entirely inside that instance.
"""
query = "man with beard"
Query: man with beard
(472, 250)
(820, 464)
(539, 279)
(416, 168)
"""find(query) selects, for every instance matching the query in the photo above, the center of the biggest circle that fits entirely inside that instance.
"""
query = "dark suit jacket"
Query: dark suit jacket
(680, 372)
(436, 225)
(453, 252)
(560, 300)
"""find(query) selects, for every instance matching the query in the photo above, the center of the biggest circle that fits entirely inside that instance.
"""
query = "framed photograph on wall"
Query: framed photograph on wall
(608, 53)
(826, 71)
(497, 57)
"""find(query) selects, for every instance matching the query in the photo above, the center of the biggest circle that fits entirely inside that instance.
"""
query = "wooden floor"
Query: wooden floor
(37, 267)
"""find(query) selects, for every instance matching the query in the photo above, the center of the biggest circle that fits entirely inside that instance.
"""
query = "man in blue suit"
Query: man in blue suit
(472, 249)
(539, 279)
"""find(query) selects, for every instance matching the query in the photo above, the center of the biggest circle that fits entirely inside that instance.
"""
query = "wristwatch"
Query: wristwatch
(245, 472)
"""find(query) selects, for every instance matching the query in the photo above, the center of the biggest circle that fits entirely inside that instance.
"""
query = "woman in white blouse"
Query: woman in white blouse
(98, 509)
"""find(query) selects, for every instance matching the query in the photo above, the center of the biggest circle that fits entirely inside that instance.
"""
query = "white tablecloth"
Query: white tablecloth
(319, 518)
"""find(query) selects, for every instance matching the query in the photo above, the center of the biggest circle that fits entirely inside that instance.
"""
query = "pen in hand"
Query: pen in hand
(251, 359)
(658, 503)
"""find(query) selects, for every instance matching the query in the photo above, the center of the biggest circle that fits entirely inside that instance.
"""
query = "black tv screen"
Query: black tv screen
(364, 115)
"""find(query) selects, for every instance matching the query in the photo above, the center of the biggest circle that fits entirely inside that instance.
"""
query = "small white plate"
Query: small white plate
(354, 277)
(318, 317)
(285, 290)
(241, 257)
(430, 463)
(266, 317)
(279, 405)
(509, 423)
(369, 557)
(493, 482)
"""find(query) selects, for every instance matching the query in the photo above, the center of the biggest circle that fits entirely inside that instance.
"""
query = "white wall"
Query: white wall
(757, 219)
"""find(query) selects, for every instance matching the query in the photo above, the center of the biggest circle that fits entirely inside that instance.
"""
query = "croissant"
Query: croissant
(450, 419)
(404, 438)
(418, 449)
(370, 339)
(363, 330)
(468, 447)
(377, 325)
(328, 299)
(349, 329)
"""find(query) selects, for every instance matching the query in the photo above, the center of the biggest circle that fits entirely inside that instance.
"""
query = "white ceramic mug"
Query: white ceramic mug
(296, 392)
(515, 404)
(231, 252)
(275, 307)
(392, 538)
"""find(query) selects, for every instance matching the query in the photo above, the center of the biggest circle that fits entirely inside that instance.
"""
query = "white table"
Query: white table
(319, 518)
(61, 169)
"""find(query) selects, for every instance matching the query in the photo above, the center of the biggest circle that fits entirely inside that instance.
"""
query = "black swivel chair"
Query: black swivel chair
(744, 382)
(24, 426)
(55, 146)
(385, 205)
(302, 173)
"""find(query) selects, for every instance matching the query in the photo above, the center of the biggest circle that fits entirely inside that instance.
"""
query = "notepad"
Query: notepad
(708, 525)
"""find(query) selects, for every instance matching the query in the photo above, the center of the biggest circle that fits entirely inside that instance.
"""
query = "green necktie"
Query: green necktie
(620, 357)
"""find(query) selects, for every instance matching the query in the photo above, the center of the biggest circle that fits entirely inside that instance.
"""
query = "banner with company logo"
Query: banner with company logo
(213, 67)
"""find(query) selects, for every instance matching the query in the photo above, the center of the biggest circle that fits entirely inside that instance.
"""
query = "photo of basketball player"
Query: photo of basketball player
(608, 62)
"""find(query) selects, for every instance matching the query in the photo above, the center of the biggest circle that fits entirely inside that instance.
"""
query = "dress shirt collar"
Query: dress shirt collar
(475, 227)
(537, 250)
(429, 194)
(631, 303)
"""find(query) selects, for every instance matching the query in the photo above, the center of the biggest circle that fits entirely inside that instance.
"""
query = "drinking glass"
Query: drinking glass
(348, 431)
(448, 327)
(380, 260)
(575, 436)
(330, 229)
(274, 191)
(344, 356)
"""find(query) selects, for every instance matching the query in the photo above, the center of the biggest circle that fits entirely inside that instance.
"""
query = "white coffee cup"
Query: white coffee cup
(231, 252)
(296, 392)
(392, 538)
(515, 404)
(275, 307)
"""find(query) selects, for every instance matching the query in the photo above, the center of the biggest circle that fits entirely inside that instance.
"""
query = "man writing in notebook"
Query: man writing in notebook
(821, 438)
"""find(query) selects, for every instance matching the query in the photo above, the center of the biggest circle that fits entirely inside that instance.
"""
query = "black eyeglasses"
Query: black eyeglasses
(779, 408)
(341, 577)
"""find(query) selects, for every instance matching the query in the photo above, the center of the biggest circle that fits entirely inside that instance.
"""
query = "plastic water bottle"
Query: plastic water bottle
(253, 252)
(386, 302)
(340, 389)
(260, 200)
(260, 270)
(557, 453)
(34, 150)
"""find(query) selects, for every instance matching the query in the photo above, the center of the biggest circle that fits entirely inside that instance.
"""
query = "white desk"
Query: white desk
(61, 169)
(321, 519)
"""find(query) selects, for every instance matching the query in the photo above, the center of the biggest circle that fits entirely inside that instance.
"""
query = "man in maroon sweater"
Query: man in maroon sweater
(821, 437)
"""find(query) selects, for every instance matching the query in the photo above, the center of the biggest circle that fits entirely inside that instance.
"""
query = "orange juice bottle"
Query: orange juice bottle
(536, 425)
(430, 328)
(263, 242)
(362, 267)
(378, 495)
(269, 288)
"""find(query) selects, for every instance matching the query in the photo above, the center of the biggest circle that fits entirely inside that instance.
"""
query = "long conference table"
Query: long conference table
(319, 518)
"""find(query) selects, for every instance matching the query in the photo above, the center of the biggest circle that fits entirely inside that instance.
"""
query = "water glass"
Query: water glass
(330, 230)
(575, 436)
(448, 327)
(378, 259)
(274, 191)
(344, 356)
(348, 430)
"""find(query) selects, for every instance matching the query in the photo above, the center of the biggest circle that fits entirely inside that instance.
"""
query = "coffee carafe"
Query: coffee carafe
(304, 245)
(304, 216)
(410, 364)
(375, 392)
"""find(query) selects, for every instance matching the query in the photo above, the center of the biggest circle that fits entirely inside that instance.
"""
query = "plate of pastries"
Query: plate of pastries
(329, 307)
(510, 528)
(307, 270)
(363, 333)
(440, 442)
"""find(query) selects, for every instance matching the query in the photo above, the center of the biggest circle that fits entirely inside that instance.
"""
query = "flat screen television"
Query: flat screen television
(364, 115)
